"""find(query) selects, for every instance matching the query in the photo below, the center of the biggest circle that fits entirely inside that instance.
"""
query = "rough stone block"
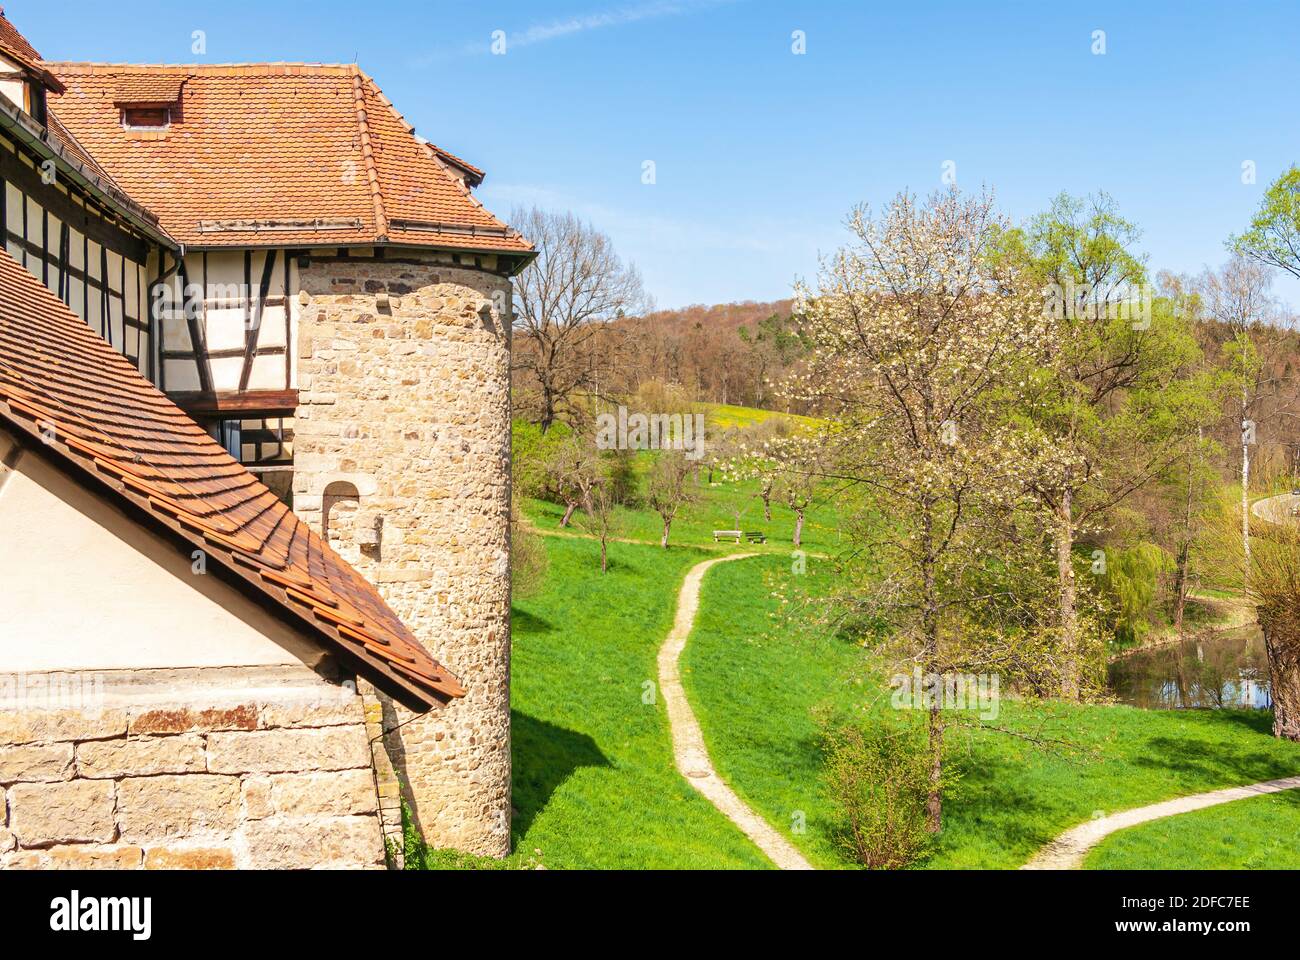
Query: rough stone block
(157, 808)
(35, 762)
(189, 858)
(78, 811)
(327, 712)
(22, 860)
(285, 751)
(86, 857)
(32, 726)
(185, 719)
(347, 792)
(257, 798)
(141, 757)
(295, 843)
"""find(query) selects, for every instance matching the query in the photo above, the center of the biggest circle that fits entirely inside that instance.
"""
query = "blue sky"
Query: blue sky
(759, 152)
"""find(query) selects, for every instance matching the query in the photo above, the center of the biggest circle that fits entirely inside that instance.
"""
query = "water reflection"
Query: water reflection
(1222, 669)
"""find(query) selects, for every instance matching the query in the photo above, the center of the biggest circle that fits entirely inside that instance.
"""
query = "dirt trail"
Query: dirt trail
(1068, 850)
(689, 752)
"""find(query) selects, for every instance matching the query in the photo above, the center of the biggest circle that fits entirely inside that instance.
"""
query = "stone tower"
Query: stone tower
(402, 445)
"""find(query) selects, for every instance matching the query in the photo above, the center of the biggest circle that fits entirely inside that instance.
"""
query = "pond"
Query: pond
(1227, 668)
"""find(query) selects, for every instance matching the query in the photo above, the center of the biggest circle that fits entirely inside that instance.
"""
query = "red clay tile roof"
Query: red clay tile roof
(15, 46)
(72, 146)
(122, 438)
(148, 89)
(279, 154)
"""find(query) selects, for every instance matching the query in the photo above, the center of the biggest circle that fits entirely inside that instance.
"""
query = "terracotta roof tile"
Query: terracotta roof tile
(15, 44)
(278, 153)
(123, 438)
(148, 89)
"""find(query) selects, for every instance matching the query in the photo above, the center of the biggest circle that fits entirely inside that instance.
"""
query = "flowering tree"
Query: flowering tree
(917, 334)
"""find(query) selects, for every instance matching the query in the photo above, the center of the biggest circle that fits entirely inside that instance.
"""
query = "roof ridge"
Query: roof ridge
(432, 150)
(368, 154)
(105, 66)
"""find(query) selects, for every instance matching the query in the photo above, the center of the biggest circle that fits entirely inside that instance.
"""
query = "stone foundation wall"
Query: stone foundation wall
(402, 444)
(218, 768)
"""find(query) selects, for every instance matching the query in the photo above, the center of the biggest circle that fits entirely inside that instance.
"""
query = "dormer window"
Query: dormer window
(150, 102)
(138, 117)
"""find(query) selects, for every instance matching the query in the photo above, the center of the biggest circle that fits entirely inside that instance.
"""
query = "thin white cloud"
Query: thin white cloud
(582, 23)
(541, 32)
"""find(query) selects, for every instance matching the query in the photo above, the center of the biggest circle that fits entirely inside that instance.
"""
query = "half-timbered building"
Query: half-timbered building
(278, 252)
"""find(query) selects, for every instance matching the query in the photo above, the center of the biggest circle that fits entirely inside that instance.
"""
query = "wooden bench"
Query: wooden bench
(753, 536)
(756, 536)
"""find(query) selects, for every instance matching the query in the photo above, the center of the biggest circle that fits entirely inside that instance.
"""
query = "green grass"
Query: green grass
(755, 683)
(720, 507)
(594, 781)
(726, 416)
(1255, 834)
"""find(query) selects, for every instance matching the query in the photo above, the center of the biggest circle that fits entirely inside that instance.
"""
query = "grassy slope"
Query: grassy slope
(754, 683)
(1255, 834)
(728, 416)
(594, 781)
(717, 509)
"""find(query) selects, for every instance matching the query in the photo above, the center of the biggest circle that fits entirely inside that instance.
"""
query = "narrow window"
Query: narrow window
(146, 118)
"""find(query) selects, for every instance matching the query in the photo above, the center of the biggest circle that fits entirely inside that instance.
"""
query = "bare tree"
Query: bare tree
(573, 470)
(1238, 296)
(600, 518)
(670, 487)
(563, 299)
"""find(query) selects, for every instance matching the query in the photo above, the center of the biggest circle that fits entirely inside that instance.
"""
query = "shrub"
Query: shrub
(530, 452)
(878, 782)
(528, 558)
(1131, 580)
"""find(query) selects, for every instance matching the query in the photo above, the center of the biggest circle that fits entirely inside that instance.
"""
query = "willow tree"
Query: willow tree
(1271, 572)
(916, 334)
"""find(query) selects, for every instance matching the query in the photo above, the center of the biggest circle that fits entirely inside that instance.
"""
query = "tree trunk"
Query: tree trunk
(1180, 587)
(767, 507)
(930, 666)
(1182, 567)
(1282, 641)
(1067, 609)
(568, 514)
(1245, 484)
(934, 802)
(798, 526)
(667, 526)
(604, 556)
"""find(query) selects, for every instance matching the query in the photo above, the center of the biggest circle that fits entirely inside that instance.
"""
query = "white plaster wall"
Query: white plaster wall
(84, 587)
(11, 89)
(221, 273)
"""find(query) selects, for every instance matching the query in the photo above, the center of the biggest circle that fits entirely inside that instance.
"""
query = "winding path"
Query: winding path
(1280, 509)
(689, 752)
(1068, 850)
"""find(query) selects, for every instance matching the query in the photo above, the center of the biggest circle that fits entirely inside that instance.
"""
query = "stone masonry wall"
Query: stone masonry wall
(402, 444)
(228, 768)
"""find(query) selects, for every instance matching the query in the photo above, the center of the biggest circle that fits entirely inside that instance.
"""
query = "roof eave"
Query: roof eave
(37, 138)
